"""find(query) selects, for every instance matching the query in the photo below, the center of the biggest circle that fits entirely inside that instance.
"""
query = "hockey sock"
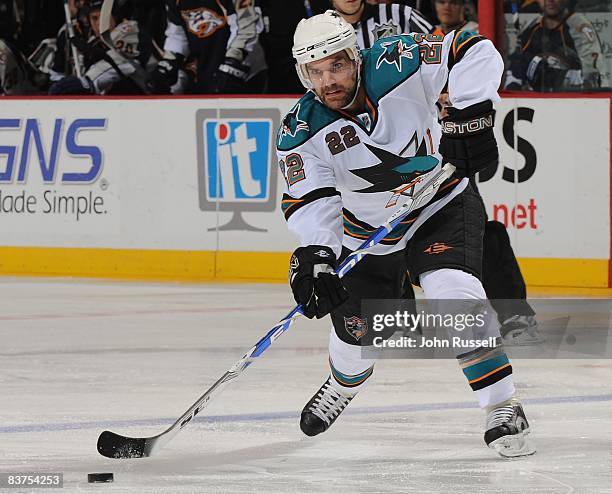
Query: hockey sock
(489, 374)
(349, 371)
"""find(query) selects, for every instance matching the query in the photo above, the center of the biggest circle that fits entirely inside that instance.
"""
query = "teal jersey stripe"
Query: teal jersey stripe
(287, 205)
(481, 368)
(345, 378)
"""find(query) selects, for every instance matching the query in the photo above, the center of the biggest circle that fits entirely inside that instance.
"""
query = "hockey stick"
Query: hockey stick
(114, 445)
(70, 31)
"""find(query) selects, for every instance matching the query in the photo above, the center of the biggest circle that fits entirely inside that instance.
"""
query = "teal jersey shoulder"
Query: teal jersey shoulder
(303, 121)
(389, 62)
(462, 36)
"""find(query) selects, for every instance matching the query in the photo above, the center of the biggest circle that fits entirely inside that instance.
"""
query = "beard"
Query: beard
(339, 101)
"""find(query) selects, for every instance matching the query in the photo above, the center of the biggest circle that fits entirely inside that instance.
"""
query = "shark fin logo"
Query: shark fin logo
(394, 52)
(395, 173)
(292, 124)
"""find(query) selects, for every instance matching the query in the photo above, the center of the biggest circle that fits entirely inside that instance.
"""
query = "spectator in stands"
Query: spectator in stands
(372, 22)
(451, 17)
(116, 69)
(560, 50)
(217, 42)
(283, 17)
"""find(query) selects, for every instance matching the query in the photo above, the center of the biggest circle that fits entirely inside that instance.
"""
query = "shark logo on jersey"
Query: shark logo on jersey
(394, 52)
(202, 22)
(292, 123)
(385, 30)
(394, 171)
(356, 326)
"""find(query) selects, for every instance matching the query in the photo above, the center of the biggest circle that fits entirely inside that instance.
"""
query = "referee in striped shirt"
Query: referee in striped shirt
(372, 22)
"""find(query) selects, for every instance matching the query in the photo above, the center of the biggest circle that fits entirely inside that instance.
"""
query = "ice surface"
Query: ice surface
(77, 357)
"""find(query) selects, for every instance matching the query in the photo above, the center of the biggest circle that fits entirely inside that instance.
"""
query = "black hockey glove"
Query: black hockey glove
(547, 72)
(164, 75)
(230, 76)
(467, 138)
(72, 85)
(313, 281)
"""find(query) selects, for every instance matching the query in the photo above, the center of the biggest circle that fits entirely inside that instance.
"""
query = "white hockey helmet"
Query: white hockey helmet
(320, 36)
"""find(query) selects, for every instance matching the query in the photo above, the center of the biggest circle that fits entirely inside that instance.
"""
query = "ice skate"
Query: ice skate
(520, 331)
(323, 409)
(507, 430)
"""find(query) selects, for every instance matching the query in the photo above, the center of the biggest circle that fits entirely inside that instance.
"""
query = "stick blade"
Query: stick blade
(114, 445)
(105, 16)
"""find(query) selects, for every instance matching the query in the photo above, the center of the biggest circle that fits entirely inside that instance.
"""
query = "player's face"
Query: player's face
(94, 22)
(552, 8)
(347, 7)
(334, 79)
(449, 12)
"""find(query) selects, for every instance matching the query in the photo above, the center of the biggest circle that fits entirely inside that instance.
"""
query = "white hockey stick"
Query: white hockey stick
(70, 31)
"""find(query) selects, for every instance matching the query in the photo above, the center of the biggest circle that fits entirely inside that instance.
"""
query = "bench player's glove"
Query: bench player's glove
(313, 281)
(230, 76)
(72, 85)
(467, 138)
(165, 75)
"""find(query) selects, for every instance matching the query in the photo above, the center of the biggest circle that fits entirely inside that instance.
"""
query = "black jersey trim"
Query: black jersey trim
(460, 47)
(290, 205)
(496, 376)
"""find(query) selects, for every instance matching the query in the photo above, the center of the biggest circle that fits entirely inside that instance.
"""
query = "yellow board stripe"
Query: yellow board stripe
(140, 264)
(178, 265)
(565, 272)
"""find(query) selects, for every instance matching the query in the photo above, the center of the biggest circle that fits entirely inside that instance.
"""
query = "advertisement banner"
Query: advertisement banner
(195, 176)
(53, 177)
(552, 186)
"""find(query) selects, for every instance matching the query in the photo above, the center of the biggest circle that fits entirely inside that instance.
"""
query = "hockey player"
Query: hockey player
(366, 128)
(218, 40)
(120, 70)
(16, 74)
(558, 51)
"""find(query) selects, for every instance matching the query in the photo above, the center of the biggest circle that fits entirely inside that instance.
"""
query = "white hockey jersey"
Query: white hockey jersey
(345, 175)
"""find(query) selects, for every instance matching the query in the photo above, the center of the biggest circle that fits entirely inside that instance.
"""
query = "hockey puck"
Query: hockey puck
(99, 477)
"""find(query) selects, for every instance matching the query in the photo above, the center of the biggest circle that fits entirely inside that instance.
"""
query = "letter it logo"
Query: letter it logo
(237, 168)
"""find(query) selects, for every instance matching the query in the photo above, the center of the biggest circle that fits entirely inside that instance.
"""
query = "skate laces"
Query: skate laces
(328, 403)
(500, 416)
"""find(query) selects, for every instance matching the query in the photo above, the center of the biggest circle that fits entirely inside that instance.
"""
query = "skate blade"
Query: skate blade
(513, 446)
